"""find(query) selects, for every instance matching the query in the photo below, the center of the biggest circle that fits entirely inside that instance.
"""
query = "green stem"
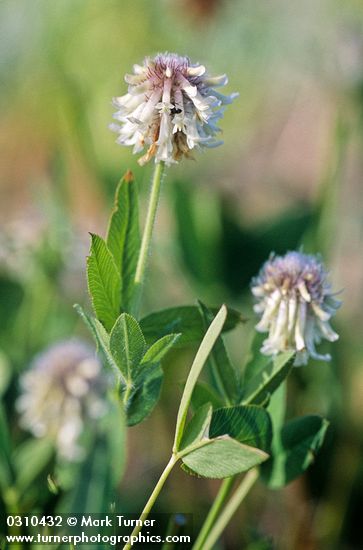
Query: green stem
(146, 511)
(230, 509)
(148, 229)
(223, 494)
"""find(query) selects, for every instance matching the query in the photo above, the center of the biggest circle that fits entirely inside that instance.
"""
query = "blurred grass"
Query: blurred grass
(288, 174)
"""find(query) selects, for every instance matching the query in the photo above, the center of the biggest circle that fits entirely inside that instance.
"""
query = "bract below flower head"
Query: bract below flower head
(295, 302)
(171, 108)
(61, 391)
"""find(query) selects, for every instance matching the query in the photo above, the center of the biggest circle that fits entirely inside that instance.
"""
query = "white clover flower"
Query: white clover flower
(295, 304)
(62, 389)
(171, 108)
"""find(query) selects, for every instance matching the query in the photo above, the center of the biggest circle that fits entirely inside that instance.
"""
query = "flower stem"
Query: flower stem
(230, 508)
(223, 494)
(146, 511)
(146, 238)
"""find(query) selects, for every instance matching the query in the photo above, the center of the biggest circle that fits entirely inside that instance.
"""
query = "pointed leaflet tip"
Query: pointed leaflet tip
(129, 176)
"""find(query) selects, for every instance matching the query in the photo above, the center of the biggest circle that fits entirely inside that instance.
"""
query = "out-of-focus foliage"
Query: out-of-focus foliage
(288, 175)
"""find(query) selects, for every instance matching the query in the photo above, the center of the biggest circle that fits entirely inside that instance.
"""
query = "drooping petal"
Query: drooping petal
(169, 86)
(295, 305)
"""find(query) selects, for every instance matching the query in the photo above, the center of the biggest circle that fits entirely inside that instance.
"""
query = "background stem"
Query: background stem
(223, 494)
(230, 508)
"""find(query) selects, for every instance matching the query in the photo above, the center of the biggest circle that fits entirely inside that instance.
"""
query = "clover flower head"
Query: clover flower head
(61, 391)
(295, 302)
(171, 108)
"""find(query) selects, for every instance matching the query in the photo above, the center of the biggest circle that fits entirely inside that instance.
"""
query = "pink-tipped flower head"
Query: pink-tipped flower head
(171, 108)
(295, 302)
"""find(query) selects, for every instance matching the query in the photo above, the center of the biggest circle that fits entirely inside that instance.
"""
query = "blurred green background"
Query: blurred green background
(289, 174)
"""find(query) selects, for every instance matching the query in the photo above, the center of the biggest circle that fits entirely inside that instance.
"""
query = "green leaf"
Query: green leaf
(30, 460)
(249, 424)
(127, 345)
(224, 443)
(144, 394)
(101, 338)
(203, 394)
(159, 349)
(223, 457)
(123, 236)
(266, 381)
(140, 367)
(198, 427)
(201, 357)
(104, 282)
(186, 320)
(147, 380)
(294, 449)
(223, 372)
